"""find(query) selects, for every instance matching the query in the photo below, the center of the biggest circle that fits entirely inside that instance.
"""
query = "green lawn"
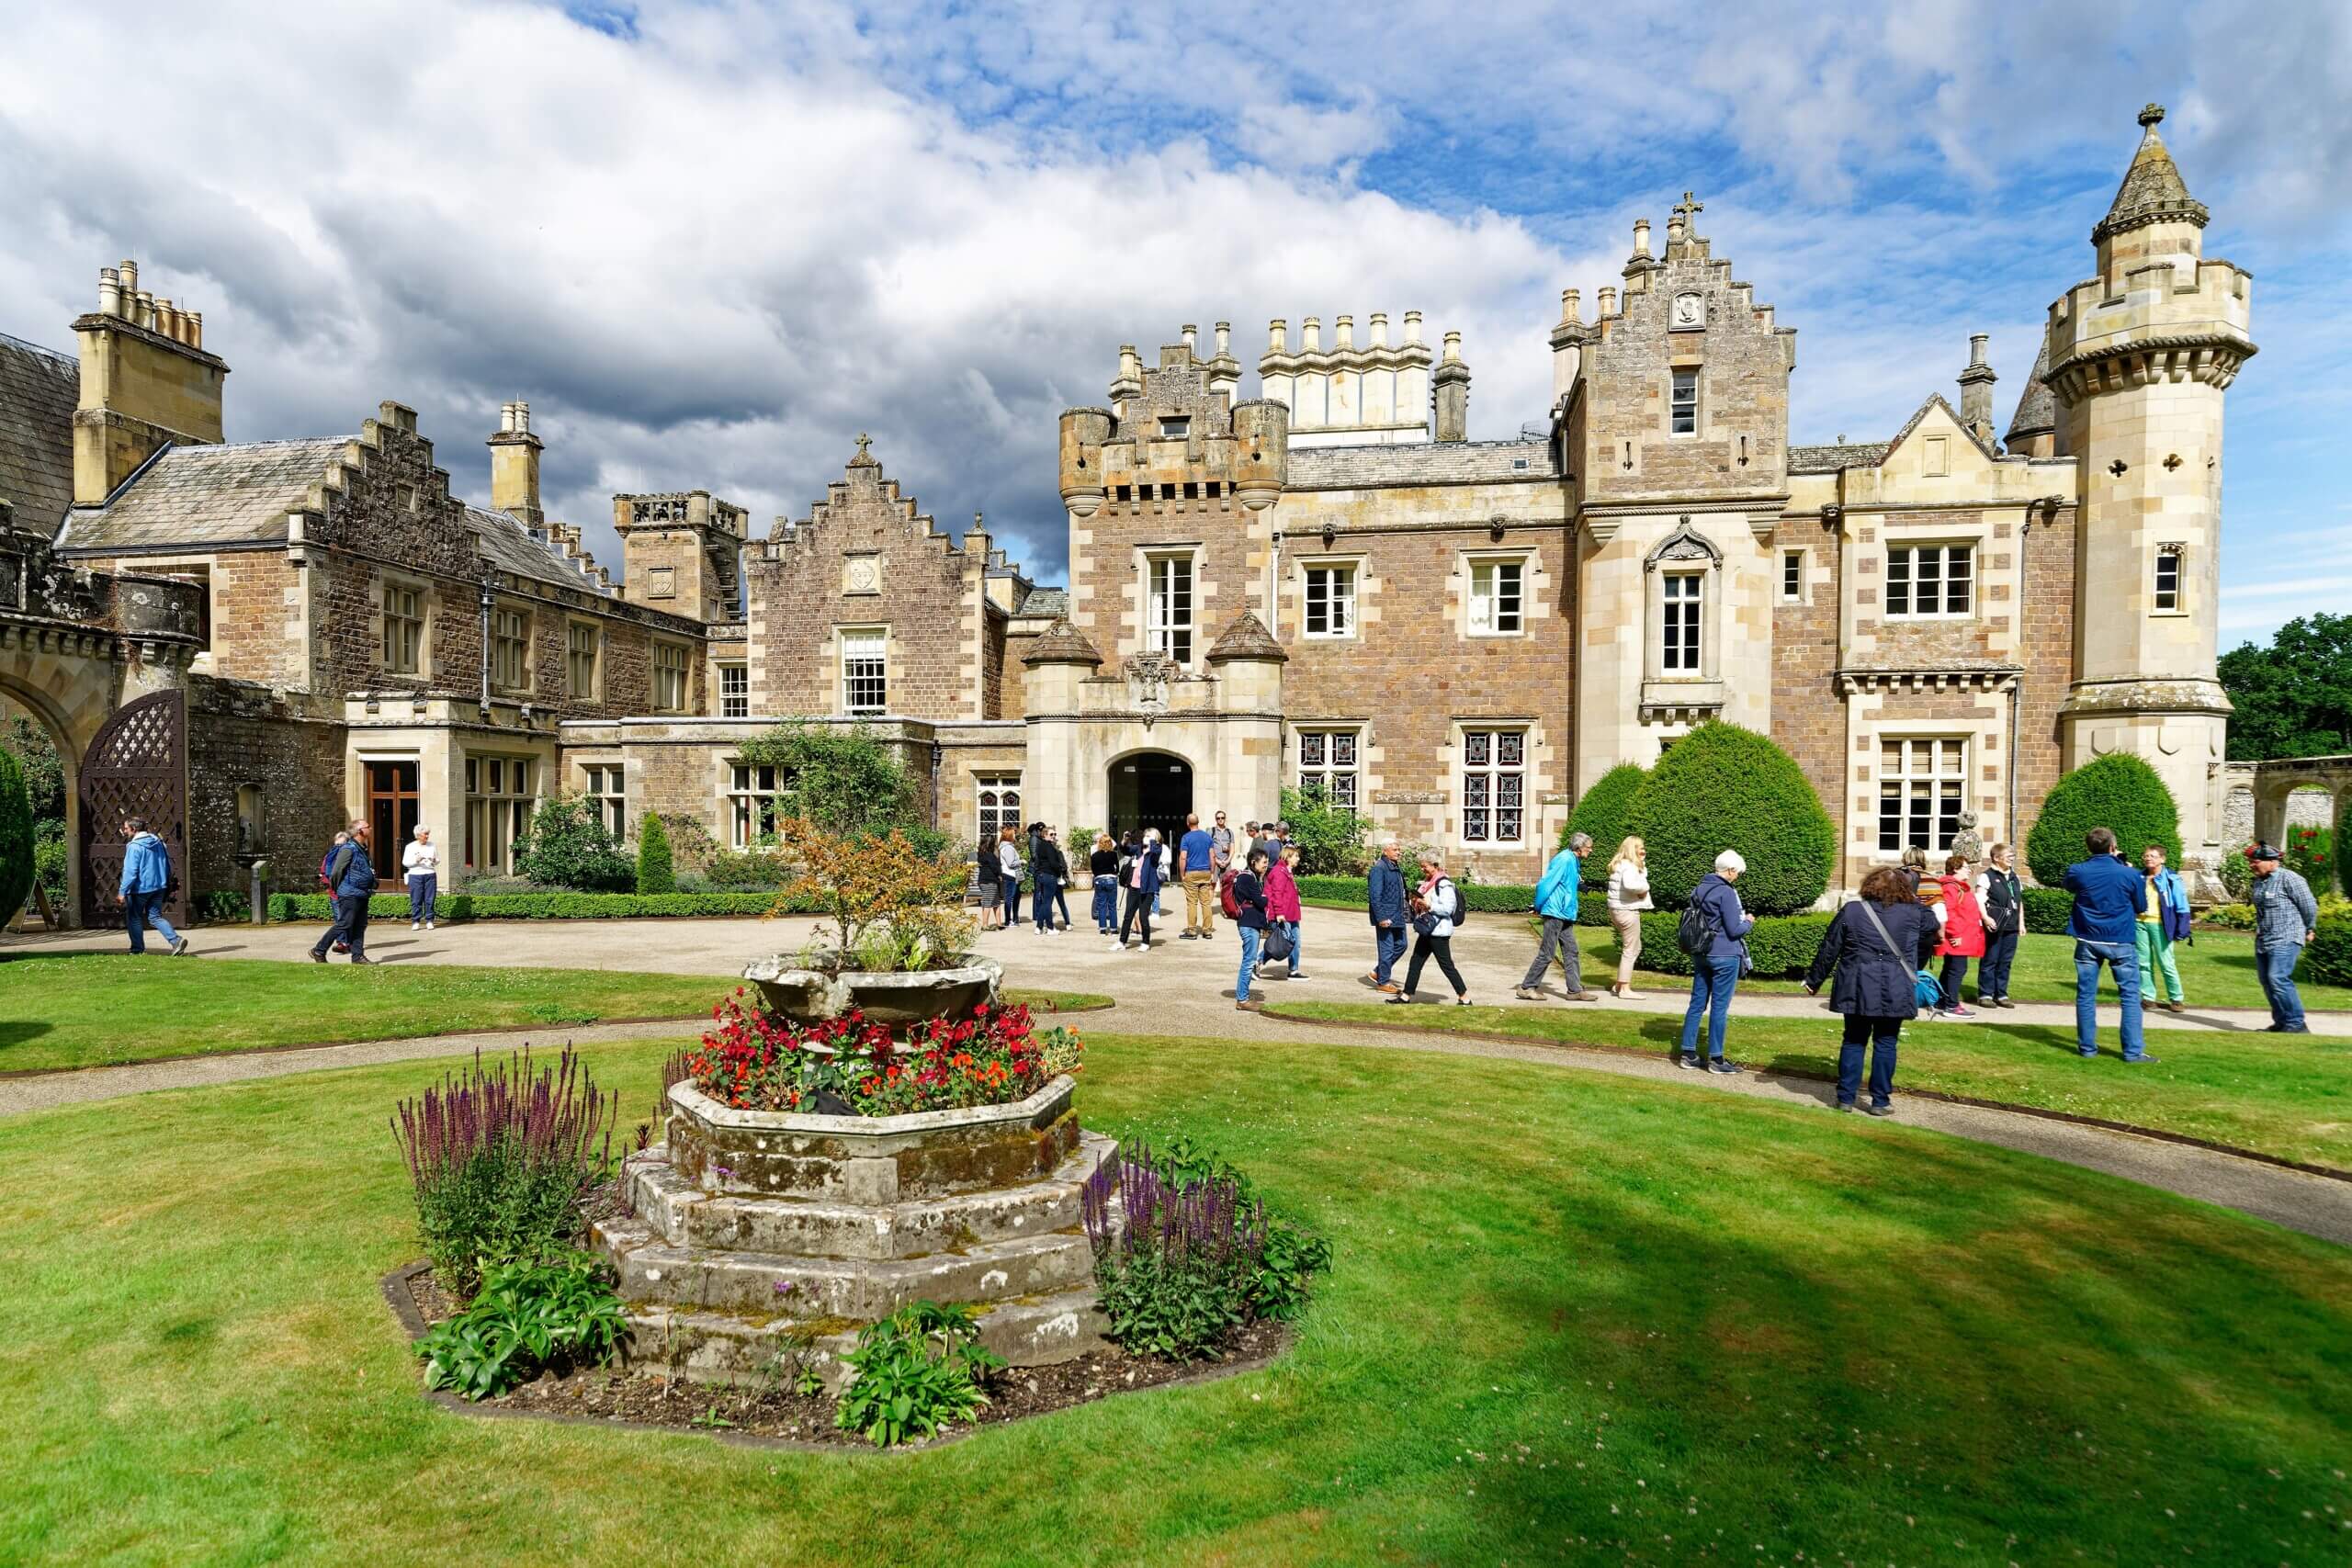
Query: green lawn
(2288, 1096)
(87, 1009)
(1622, 1321)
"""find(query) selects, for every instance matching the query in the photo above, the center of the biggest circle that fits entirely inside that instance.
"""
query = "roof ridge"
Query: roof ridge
(58, 354)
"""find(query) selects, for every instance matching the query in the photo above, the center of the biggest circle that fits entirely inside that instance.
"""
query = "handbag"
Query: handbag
(1927, 991)
(1277, 943)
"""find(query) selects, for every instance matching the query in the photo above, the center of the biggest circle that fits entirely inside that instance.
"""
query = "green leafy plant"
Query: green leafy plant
(846, 781)
(2237, 876)
(17, 864)
(655, 872)
(2294, 697)
(528, 1315)
(1603, 809)
(1722, 787)
(2311, 852)
(569, 846)
(920, 1368)
(2118, 791)
(1347, 892)
(1782, 947)
(1330, 839)
(458, 908)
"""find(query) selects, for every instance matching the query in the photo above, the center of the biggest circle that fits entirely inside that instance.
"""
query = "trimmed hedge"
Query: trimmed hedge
(15, 838)
(1781, 945)
(1722, 787)
(462, 907)
(2328, 957)
(2047, 910)
(1603, 810)
(1347, 892)
(2118, 791)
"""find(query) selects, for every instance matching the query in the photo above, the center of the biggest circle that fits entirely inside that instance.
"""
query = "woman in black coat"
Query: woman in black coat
(1876, 979)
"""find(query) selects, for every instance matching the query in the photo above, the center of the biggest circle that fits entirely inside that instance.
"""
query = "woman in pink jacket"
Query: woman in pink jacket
(1963, 936)
(1282, 903)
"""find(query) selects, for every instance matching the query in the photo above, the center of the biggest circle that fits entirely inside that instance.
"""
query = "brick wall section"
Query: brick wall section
(800, 597)
(241, 734)
(1809, 713)
(2048, 556)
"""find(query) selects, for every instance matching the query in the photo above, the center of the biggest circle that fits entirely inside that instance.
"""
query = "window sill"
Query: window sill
(1897, 617)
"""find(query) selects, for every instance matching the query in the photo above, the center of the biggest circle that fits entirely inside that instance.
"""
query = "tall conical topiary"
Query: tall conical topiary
(15, 839)
(655, 872)
(1721, 788)
(2118, 791)
(1602, 812)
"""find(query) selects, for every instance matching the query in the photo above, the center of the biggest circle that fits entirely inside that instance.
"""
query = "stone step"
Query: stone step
(684, 1215)
(657, 1272)
(716, 1346)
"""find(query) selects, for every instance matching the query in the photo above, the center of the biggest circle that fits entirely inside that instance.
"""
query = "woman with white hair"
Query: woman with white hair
(1715, 968)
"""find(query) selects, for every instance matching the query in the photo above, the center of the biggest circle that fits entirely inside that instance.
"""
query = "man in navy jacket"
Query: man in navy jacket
(1384, 902)
(2105, 927)
(351, 878)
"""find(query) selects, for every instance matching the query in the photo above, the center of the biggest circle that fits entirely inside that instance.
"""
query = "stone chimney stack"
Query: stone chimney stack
(145, 380)
(514, 465)
(1452, 380)
(1976, 390)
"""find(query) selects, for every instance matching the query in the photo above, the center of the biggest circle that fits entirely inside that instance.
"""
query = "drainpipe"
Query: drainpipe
(489, 583)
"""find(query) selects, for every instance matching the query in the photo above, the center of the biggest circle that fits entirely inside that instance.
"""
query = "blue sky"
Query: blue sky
(710, 244)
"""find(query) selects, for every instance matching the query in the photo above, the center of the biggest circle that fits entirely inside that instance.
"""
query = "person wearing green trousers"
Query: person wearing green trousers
(2164, 919)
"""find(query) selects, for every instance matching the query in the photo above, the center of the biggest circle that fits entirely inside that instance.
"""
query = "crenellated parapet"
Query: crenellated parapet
(1173, 434)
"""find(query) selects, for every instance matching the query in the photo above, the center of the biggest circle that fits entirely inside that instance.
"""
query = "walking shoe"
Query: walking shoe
(1529, 994)
(2295, 1029)
(1391, 987)
(2176, 1007)
(428, 925)
(1726, 1067)
(2087, 1054)
(1144, 946)
(179, 947)
(1248, 1007)
(1372, 976)
(1845, 1105)
(2135, 1060)
(1688, 1064)
(1401, 999)
(1882, 1110)
(321, 958)
(1298, 975)
(1119, 947)
(1461, 1002)
(415, 926)
(1190, 935)
(1957, 1010)
(361, 958)
(1584, 996)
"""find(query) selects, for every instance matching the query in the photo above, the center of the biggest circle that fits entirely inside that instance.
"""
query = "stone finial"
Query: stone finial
(865, 459)
(2152, 115)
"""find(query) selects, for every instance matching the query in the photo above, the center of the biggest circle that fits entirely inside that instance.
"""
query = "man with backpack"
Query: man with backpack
(146, 882)
(351, 879)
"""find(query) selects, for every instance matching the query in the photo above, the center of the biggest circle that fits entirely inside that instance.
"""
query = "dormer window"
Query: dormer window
(1175, 427)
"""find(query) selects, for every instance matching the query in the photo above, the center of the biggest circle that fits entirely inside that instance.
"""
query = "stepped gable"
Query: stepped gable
(1246, 636)
(1063, 644)
(39, 390)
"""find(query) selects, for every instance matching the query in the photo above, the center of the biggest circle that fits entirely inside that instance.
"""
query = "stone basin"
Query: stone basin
(804, 995)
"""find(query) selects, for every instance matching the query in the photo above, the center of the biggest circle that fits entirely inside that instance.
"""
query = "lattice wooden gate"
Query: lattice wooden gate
(137, 767)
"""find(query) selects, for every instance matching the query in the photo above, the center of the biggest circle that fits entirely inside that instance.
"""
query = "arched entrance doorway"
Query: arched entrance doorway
(1150, 789)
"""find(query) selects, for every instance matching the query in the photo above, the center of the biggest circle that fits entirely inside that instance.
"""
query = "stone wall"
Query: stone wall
(239, 735)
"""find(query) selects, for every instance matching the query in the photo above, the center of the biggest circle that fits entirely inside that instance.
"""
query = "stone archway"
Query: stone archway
(1149, 789)
(71, 725)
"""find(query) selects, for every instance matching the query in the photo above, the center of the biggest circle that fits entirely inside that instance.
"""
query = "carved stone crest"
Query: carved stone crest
(1148, 678)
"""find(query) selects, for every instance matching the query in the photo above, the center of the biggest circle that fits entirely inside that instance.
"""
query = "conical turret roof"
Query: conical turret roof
(1245, 637)
(2037, 409)
(2152, 190)
(1062, 644)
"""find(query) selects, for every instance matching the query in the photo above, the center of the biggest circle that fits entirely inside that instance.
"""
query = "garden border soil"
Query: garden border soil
(398, 1291)
(1501, 1037)
(1048, 1010)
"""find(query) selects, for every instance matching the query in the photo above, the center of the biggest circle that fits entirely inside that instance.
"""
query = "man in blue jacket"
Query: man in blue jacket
(1385, 901)
(146, 878)
(351, 878)
(1556, 900)
(2107, 913)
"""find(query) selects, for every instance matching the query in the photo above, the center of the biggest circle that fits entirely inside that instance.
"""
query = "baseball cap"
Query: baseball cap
(2263, 852)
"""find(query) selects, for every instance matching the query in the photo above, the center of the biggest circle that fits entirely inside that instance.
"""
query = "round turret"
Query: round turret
(1083, 433)
(1261, 457)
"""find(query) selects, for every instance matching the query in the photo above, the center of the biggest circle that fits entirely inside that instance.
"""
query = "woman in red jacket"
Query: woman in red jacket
(1963, 933)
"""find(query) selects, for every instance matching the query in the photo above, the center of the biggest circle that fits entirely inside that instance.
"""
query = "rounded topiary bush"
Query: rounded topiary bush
(1721, 788)
(2118, 791)
(1603, 809)
(15, 838)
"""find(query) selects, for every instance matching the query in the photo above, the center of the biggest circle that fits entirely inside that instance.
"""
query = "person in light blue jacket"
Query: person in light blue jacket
(1556, 900)
(146, 880)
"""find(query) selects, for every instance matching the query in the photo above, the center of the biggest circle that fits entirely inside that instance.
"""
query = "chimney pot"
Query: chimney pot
(1412, 327)
(1191, 335)
(1453, 348)
(1277, 331)
(1977, 342)
(1312, 342)
(1343, 332)
(1640, 236)
(1224, 339)
(1380, 328)
(129, 277)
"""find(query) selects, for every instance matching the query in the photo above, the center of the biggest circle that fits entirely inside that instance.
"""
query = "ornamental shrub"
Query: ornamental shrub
(2344, 843)
(1349, 893)
(2048, 910)
(1721, 788)
(15, 838)
(560, 1313)
(654, 871)
(1781, 945)
(569, 846)
(2311, 852)
(2118, 791)
(2328, 958)
(2236, 873)
(1329, 838)
(1603, 810)
(920, 1368)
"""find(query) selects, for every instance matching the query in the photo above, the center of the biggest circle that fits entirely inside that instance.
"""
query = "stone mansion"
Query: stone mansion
(1323, 584)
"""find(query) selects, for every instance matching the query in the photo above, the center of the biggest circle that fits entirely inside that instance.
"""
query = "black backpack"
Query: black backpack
(1693, 933)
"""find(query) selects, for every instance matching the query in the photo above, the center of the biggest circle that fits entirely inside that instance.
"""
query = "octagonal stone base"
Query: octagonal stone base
(755, 1234)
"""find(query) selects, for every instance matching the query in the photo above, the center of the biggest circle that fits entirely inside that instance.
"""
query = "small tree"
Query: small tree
(569, 846)
(654, 871)
(1722, 787)
(843, 780)
(891, 904)
(2118, 791)
(1603, 810)
(1329, 838)
(15, 838)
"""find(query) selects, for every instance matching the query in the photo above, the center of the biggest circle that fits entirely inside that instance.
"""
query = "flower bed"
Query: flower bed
(759, 1060)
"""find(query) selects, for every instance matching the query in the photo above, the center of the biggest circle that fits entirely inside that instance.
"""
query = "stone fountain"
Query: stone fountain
(760, 1232)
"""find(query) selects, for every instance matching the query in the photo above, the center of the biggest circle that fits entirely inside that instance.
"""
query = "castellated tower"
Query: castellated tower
(2138, 359)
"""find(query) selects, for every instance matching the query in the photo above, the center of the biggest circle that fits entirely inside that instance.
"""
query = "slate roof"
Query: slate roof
(1424, 463)
(38, 389)
(508, 544)
(2038, 408)
(2152, 189)
(1044, 601)
(1836, 458)
(1245, 637)
(221, 494)
(1062, 644)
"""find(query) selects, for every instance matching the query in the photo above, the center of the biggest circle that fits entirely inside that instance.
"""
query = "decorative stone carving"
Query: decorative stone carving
(1148, 678)
(1966, 842)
